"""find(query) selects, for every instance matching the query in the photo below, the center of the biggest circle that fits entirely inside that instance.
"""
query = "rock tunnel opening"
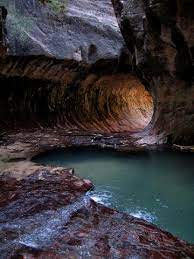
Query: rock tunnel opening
(106, 104)
(112, 103)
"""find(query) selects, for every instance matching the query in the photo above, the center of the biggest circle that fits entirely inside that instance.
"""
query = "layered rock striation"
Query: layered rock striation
(67, 79)
(96, 103)
(71, 67)
(160, 38)
(61, 54)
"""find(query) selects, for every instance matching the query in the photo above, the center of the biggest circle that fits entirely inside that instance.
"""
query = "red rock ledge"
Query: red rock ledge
(47, 215)
(45, 212)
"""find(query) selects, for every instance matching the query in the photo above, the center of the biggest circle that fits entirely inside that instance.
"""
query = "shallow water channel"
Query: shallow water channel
(156, 186)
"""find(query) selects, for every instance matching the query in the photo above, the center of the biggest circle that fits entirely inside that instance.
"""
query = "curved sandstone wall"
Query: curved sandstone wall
(106, 103)
(98, 85)
(85, 87)
(113, 103)
(159, 36)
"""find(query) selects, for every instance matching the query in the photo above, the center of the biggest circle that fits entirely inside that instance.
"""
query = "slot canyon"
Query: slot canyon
(103, 74)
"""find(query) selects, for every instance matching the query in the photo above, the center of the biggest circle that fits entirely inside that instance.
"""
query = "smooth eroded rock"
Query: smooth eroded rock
(79, 30)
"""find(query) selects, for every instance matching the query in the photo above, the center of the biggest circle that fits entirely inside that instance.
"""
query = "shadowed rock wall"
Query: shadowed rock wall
(3, 42)
(72, 62)
(160, 38)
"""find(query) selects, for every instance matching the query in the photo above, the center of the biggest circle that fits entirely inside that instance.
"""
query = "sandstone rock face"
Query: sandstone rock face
(160, 37)
(55, 90)
(63, 66)
(106, 103)
(161, 33)
(80, 30)
(50, 55)
(72, 93)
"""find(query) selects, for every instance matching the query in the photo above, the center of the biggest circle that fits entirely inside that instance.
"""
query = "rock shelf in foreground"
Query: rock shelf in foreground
(46, 213)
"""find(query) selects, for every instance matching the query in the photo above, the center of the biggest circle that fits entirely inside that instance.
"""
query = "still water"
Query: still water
(158, 187)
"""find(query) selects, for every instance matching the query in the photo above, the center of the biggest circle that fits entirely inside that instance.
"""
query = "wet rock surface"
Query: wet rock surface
(29, 206)
(23, 145)
(46, 215)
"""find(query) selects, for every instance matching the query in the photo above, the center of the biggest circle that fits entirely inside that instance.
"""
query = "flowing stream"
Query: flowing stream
(156, 186)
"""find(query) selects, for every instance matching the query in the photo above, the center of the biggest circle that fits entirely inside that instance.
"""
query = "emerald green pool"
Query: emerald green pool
(158, 187)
